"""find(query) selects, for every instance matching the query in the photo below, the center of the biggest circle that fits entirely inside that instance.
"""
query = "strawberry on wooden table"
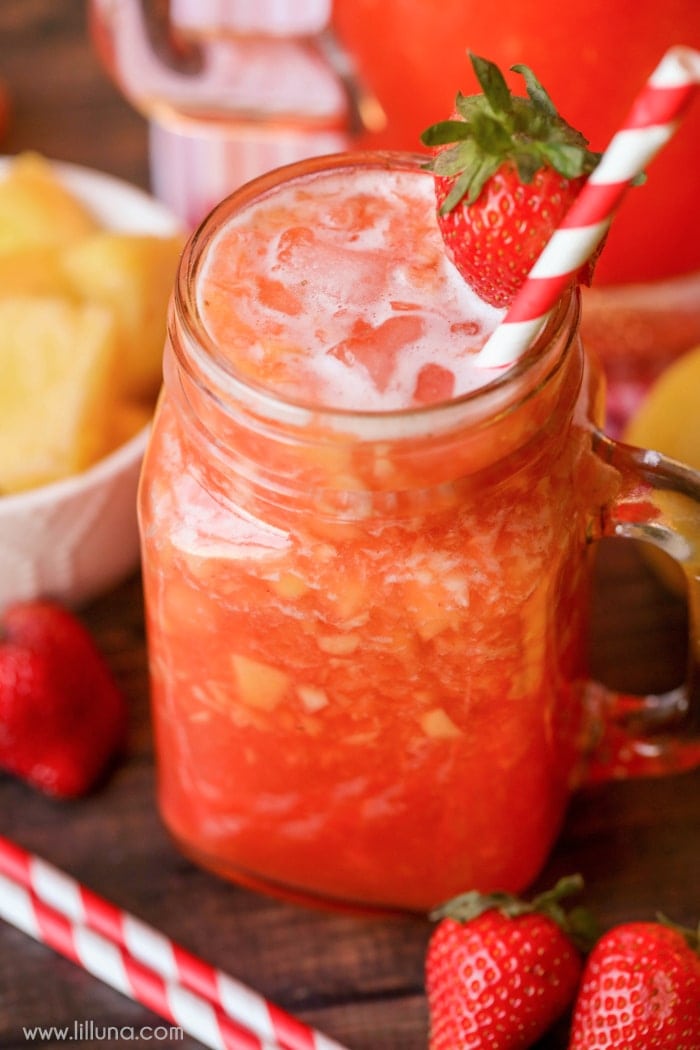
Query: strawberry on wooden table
(62, 715)
(499, 971)
(506, 171)
(640, 991)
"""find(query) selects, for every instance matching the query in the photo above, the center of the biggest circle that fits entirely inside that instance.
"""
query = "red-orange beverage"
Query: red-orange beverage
(365, 560)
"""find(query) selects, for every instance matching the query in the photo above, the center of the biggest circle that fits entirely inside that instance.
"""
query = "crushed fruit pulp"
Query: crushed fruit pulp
(366, 655)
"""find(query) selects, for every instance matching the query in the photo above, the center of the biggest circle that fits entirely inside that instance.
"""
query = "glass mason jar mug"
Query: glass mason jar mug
(367, 624)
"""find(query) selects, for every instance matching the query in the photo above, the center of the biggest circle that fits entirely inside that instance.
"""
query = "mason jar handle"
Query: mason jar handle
(656, 500)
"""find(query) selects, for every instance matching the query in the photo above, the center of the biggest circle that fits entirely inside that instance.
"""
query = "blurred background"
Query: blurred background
(190, 98)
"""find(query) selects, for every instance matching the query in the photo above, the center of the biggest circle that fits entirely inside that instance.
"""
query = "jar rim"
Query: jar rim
(215, 373)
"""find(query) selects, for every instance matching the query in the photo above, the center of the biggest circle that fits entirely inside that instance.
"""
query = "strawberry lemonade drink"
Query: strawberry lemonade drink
(364, 558)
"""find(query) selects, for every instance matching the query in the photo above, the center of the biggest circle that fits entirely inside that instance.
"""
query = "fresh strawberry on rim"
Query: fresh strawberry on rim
(507, 169)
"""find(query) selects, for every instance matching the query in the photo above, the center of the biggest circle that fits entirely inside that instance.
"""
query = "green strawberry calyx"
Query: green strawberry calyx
(498, 128)
(577, 923)
(691, 937)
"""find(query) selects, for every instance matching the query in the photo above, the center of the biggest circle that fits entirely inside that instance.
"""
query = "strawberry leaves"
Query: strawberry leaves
(498, 127)
(577, 923)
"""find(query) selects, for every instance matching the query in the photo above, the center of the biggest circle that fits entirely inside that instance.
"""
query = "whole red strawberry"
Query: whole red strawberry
(62, 716)
(640, 991)
(506, 172)
(500, 971)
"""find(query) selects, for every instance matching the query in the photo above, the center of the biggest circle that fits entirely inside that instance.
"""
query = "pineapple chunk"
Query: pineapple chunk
(57, 362)
(437, 724)
(339, 644)
(289, 585)
(36, 270)
(82, 325)
(132, 275)
(312, 697)
(259, 684)
(36, 209)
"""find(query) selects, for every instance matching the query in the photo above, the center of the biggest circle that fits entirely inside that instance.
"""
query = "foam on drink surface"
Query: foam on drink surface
(336, 290)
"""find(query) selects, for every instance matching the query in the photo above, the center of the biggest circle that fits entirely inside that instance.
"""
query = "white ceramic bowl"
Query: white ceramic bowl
(75, 538)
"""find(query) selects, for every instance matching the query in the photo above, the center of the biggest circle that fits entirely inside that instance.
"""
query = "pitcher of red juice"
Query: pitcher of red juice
(367, 561)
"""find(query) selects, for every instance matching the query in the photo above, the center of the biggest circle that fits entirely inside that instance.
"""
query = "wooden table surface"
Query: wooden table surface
(358, 980)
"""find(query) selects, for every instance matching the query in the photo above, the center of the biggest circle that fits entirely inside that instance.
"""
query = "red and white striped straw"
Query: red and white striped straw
(113, 965)
(141, 962)
(651, 122)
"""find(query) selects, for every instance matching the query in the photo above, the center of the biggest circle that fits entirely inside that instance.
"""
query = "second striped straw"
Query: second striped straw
(651, 122)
